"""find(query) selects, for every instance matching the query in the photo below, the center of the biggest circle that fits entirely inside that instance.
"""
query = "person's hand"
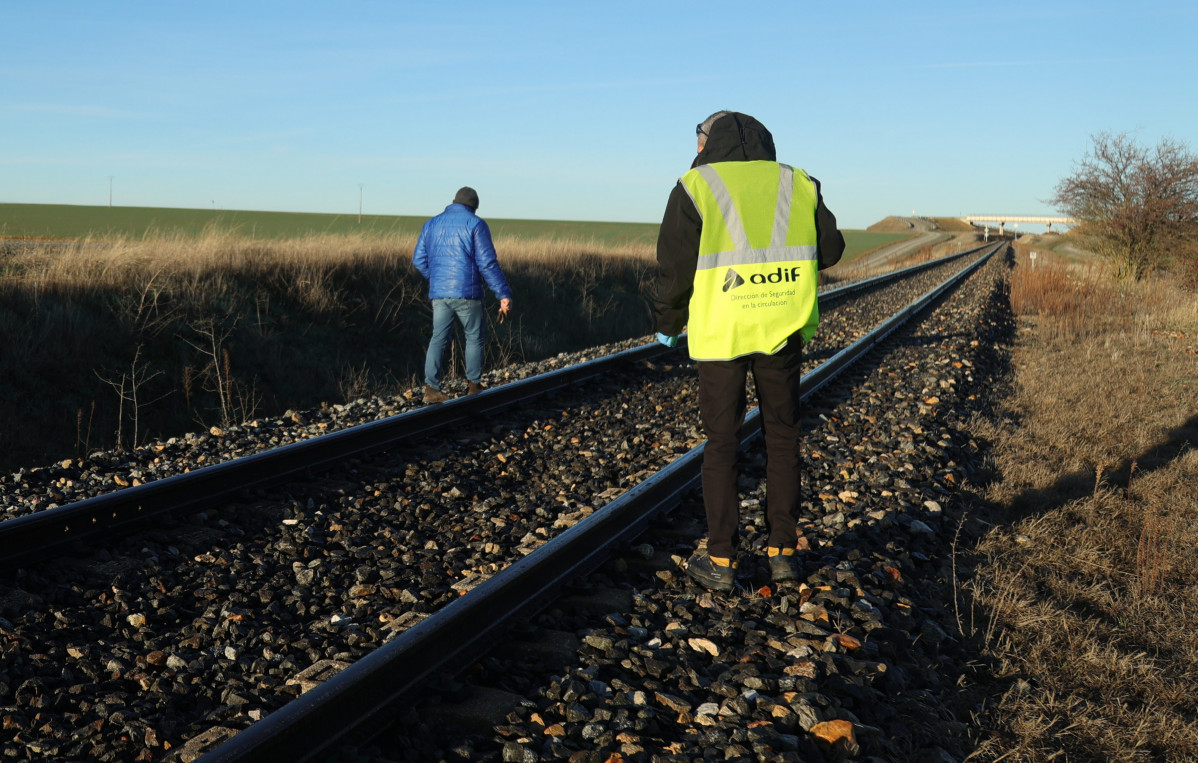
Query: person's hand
(668, 341)
(504, 305)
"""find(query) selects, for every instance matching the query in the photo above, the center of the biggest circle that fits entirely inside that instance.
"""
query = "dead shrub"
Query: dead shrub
(1152, 553)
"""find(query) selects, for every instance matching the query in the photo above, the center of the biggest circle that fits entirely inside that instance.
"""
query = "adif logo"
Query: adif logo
(732, 279)
(781, 275)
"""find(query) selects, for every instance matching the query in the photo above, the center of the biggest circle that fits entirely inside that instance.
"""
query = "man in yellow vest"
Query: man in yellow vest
(740, 243)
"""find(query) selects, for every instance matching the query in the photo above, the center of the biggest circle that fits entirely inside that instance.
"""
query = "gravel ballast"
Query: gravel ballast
(206, 622)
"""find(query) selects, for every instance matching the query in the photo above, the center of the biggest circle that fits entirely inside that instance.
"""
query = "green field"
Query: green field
(63, 221)
(860, 242)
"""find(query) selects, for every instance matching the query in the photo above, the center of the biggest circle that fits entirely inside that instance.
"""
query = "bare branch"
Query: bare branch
(1138, 205)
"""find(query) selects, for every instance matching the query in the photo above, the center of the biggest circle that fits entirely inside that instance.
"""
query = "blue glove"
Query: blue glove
(668, 341)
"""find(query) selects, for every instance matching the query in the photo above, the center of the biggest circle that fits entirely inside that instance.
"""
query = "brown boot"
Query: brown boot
(473, 388)
(434, 395)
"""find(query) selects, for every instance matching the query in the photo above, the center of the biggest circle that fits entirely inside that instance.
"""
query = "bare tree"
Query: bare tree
(1138, 206)
(236, 402)
(130, 389)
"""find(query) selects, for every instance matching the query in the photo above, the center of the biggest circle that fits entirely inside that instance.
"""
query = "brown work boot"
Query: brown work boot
(473, 388)
(718, 576)
(434, 395)
(784, 564)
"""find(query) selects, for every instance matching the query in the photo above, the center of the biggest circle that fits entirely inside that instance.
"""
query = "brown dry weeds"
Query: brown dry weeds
(113, 343)
(1088, 590)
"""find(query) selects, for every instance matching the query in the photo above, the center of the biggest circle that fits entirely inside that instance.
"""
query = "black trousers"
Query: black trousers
(722, 403)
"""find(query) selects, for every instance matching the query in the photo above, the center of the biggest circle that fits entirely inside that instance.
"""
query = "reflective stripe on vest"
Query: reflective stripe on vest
(755, 279)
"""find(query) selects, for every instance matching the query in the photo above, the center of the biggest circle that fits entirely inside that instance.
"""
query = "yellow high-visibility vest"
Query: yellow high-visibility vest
(755, 283)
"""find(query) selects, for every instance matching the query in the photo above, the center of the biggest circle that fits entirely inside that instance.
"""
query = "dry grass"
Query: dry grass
(120, 341)
(179, 258)
(1090, 588)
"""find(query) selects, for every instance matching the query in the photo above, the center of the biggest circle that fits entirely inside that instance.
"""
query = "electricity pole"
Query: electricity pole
(360, 203)
(110, 191)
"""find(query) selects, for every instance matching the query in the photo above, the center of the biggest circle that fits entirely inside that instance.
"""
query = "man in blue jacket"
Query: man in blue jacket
(455, 255)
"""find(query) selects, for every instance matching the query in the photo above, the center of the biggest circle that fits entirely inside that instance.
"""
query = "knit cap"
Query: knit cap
(468, 196)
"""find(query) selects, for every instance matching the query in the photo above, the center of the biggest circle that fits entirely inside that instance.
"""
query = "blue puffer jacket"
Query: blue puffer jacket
(455, 255)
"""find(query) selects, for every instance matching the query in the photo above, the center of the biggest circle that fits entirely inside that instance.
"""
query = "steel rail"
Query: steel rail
(362, 694)
(840, 292)
(350, 703)
(35, 535)
(833, 366)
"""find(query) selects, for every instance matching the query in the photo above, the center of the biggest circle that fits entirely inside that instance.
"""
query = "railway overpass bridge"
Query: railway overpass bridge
(1002, 220)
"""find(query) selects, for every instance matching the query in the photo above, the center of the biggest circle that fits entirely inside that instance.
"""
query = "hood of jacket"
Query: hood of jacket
(737, 137)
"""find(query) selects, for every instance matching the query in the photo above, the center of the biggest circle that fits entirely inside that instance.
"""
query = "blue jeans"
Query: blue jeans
(445, 311)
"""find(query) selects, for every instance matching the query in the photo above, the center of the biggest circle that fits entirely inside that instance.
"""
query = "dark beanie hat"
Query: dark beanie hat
(468, 196)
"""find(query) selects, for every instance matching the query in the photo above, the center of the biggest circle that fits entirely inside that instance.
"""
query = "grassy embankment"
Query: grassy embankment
(166, 322)
(57, 222)
(70, 222)
(1086, 597)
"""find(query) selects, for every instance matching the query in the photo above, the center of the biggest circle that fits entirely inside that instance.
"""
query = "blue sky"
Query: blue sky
(574, 111)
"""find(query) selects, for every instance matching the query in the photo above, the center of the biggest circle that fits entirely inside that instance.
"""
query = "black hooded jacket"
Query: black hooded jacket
(734, 137)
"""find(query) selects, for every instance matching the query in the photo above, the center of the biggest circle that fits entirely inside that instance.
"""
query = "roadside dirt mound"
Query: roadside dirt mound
(891, 225)
(952, 224)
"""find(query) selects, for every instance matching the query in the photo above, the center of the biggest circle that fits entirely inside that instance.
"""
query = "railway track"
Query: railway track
(451, 625)
(42, 534)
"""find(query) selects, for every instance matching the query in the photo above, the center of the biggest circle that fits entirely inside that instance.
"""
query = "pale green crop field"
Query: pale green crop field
(70, 222)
